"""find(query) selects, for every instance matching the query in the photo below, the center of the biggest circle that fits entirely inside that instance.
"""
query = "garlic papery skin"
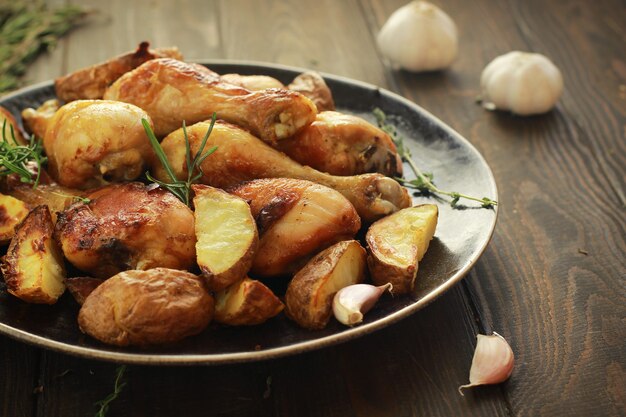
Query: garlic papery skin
(492, 363)
(522, 82)
(419, 37)
(351, 302)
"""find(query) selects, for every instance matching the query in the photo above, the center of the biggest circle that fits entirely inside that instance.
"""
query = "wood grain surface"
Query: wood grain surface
(552, 281)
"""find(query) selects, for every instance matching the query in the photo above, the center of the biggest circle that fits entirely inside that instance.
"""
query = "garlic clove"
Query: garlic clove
(492, 363)
(419, 37)
(524, 83)
(351, 302)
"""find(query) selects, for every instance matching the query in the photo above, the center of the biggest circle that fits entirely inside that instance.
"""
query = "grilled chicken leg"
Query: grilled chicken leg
(172, 91)
(242, 157)
(92, 142)
(342, 144)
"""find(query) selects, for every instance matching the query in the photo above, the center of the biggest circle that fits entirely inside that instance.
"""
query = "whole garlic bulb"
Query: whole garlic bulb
(524, 83)
(419, 37)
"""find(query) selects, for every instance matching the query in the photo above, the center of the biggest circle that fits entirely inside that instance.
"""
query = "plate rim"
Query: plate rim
(295, 348)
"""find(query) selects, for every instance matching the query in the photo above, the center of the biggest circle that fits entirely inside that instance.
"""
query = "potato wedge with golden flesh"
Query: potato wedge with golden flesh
(152, 307)
(226, 234)
(397, 243)
(310, 293)
(12, 212)
(33, 267)
(55, 196)
(7, 121)
(246, 302)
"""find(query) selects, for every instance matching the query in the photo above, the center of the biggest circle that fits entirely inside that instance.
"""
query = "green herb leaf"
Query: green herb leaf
(24, 160)
(28, 28)
(180, 188)
(117, 389)
(423, 181)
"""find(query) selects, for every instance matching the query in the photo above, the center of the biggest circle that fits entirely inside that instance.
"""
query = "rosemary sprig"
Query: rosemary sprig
(26, 29)
(180, 188)
(423, 181)
(117, 389)
(18, 159)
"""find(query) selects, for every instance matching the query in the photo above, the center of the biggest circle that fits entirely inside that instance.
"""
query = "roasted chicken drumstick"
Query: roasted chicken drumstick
(242, 157)
(172, 91)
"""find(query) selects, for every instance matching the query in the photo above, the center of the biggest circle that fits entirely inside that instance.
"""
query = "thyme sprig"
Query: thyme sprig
(180, 188)
(117, 389)
(18, 159)
(423, 181)
(28, 28)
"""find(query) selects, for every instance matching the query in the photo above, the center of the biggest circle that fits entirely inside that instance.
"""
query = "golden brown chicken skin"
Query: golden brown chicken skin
(312, 85)
(90, 143)
(91, 82)
(252, 82)
(242, 157)
(296, 219)
(127, 226)
(172, 91)
(342, 144)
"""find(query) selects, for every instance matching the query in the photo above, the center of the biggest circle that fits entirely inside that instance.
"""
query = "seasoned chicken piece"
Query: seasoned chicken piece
(93, 142)
(172, 91)
(127, 226)
(36, 120)
(342, 144)
(242, 157)
(91, 82)
(296, 219)
(252, 82)
(312, 85)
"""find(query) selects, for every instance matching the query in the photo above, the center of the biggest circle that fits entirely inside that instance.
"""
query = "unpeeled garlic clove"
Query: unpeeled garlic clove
(492, 363)
(351, 302)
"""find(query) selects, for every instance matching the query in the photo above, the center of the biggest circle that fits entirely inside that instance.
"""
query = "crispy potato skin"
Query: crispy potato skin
(152, 307)
(33, 267)
(81, 287)
(91, 82)
(127, 226)
(12, 212)
(383, 259)
(296, 219)
(312, 85)
(258, 304)
(309, 296)
(172, 91)
(240, 221)
(55, 196)
(342, 144)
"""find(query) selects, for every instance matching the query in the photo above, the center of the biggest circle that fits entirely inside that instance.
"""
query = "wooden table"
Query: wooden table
(552, 280)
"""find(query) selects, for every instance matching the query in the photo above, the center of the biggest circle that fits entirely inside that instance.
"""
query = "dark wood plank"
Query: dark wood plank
(19, 366)
(553, 277)
(406, 369)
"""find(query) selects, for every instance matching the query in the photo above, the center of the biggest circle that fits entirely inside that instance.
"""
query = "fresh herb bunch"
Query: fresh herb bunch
(423, 181)
(180, 188)
(19, 159)
(117, 389)
(27, 28)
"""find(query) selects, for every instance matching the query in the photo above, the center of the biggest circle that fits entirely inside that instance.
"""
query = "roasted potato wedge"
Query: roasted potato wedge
(310, 293)
(33, 267)
(226, 234)
(152, 307)
(397, 243)
(246, 302)
(12, 212)
(252, 82)
(55, 196)
(81, 287)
